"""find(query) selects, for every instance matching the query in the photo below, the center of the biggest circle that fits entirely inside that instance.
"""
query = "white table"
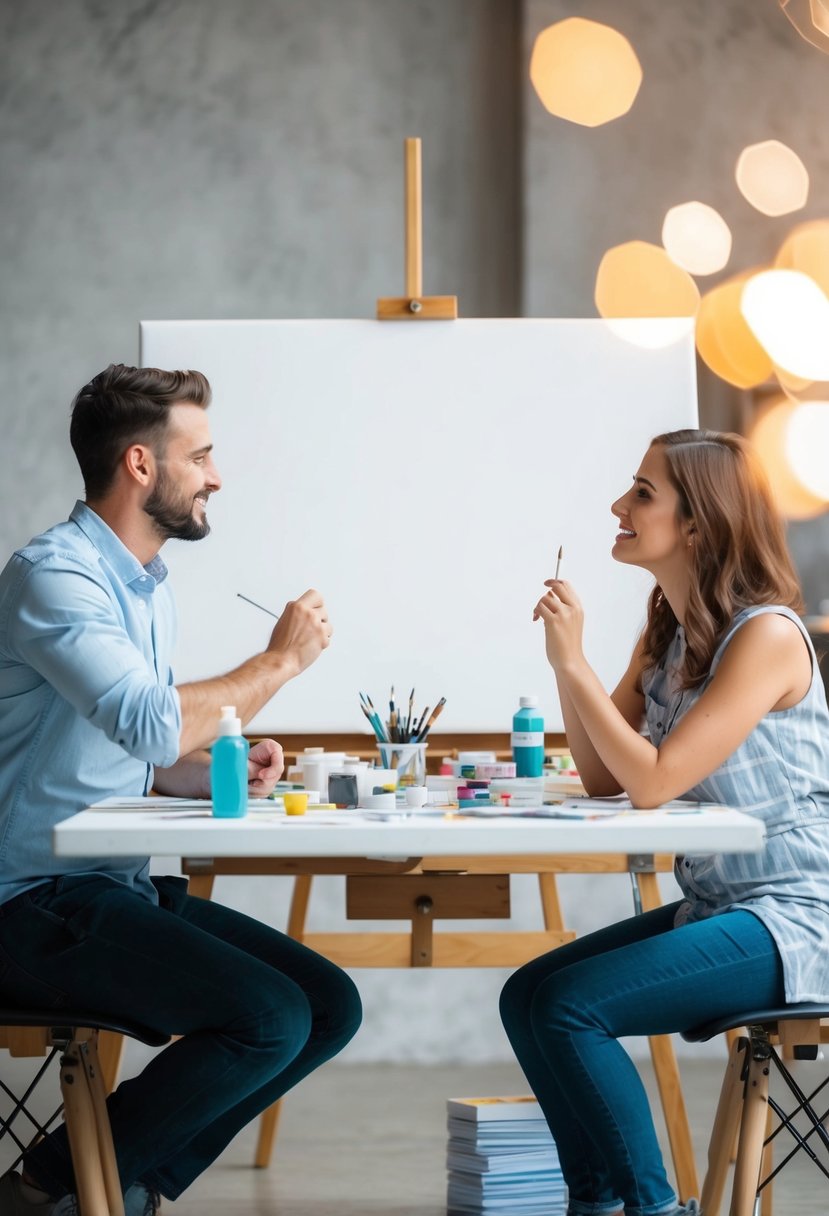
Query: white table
(191, 833)
(437, 859)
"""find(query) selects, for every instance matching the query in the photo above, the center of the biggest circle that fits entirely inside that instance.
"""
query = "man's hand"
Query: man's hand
(265, 766)
(302, 632)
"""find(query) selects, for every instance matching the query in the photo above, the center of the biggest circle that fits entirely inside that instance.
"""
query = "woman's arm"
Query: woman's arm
(766, 667)
(595, 776)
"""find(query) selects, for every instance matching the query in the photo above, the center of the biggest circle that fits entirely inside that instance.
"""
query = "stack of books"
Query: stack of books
(502, 1160)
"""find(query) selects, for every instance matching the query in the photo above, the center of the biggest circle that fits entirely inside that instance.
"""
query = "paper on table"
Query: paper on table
(172, 804)
(588, 808)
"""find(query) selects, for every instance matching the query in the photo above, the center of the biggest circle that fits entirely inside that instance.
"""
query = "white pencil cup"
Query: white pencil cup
(409, 759)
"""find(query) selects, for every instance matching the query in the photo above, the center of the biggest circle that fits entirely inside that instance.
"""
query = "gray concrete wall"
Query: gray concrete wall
(195, 158)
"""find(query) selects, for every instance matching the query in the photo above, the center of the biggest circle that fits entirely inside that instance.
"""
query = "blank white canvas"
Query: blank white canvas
(422, 475)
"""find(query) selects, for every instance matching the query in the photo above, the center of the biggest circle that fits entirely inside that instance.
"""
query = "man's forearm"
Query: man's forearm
(248, 687)
(189, 777)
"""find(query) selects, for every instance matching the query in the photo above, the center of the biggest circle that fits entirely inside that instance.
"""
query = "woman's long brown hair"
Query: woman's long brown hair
(739, 552)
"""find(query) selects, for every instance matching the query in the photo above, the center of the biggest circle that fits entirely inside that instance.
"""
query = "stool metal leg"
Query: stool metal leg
(725, 1129)
(753, 1126)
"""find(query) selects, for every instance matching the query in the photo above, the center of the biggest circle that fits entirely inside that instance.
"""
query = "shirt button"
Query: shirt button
(142, 604)
(659, 726)
(687, 865)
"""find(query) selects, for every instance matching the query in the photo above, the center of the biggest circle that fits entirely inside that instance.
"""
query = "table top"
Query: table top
(189, 829)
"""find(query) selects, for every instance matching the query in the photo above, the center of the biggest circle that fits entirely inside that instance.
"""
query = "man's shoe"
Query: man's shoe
(138, 1201)
(15, 1200)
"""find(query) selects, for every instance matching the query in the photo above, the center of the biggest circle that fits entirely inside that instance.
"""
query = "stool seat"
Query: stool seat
(755, 1017)
(746, 1110)
(10, 1016)
(72, 1035)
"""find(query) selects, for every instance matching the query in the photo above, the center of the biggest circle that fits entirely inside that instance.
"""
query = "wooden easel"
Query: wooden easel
(414, 306)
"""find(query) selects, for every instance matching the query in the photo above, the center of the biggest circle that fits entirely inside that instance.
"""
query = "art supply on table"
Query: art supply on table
(523, 791)
(416, 795)
(343, 789)
(424, 730)
(373, 717)
(261, 607)
(400, 727)
(407, 759)
(316, 764)
(381, 802)
(487, 770)
(528, 739)
(295, 803)
(477, 758)
(229, 767)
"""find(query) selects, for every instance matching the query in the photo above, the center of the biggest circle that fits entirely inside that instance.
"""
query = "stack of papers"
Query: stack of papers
(502, 1160)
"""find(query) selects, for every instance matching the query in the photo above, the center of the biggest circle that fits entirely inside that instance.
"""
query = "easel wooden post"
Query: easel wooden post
(414, 306)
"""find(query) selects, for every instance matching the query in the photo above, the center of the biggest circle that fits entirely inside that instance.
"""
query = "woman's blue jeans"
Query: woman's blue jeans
(257, 1012)
(564, 1012)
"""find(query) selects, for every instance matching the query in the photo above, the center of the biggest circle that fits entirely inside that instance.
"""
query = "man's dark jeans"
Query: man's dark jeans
(257, 1012)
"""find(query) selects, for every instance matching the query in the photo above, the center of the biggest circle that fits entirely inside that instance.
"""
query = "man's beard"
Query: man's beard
(171, 514)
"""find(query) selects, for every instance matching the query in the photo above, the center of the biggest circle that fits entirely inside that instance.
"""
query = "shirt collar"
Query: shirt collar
(112, 548)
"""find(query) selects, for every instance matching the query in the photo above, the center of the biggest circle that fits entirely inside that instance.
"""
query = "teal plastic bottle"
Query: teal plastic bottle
(528, 739)
(229, 767)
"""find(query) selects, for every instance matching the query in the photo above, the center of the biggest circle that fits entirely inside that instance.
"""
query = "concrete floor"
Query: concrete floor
(370, 1140)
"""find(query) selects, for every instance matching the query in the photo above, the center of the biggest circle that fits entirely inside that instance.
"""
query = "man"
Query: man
(88, 709)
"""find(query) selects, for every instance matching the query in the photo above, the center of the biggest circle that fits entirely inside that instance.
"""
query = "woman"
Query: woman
(726, 680)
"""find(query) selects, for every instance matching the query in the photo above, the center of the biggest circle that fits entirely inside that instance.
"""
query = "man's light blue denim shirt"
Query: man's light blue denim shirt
(87, 702)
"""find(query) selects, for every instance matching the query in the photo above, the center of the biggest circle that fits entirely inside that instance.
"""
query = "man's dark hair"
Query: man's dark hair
(125, 405)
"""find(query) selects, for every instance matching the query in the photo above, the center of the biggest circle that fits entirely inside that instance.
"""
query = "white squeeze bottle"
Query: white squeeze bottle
(229, 767)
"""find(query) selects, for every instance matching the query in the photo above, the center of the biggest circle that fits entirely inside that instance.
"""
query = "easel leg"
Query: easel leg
(550, 903)
(200, 885)
(667, 1071)
(269, 1119)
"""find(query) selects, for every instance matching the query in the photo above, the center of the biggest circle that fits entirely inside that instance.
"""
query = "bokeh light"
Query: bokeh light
(724, 340)
(789, 316)
(768, 435)
(638, 279)
(697, 238)
(811, 20)
(807, 445)
(806, 249)
(772, 178)
(585, 72)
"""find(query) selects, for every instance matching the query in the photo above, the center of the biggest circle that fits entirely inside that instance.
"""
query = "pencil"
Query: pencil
(558, 560)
